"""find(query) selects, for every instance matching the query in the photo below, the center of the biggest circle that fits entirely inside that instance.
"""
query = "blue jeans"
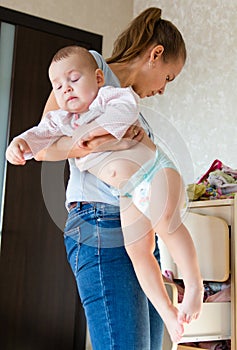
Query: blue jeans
(119, 316)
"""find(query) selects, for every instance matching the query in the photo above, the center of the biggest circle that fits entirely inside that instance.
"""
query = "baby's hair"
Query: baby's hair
(82, 53)
(146, 30)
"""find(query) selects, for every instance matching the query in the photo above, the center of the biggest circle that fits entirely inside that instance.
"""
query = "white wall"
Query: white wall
(201, 103)
(105, 17)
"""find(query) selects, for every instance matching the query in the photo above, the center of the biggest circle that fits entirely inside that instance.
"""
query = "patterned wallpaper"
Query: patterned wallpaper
(196, 118)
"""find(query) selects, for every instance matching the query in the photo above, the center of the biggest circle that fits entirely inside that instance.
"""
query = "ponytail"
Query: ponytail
(145, 30)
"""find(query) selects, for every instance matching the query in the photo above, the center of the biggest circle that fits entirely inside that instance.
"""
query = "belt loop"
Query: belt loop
(73, 205)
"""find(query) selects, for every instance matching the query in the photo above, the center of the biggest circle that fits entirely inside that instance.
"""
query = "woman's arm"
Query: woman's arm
(66, 147)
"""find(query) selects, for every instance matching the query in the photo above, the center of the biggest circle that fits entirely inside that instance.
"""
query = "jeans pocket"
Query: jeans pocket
(73, 233)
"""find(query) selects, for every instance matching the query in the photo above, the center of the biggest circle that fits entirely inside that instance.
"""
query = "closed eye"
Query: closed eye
(57, 87)
(74, 78)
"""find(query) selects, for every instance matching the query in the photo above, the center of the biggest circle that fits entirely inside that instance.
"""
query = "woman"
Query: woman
(118, 312)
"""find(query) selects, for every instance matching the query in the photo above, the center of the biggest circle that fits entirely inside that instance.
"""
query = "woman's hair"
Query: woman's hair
(146, 30)
(83, 54)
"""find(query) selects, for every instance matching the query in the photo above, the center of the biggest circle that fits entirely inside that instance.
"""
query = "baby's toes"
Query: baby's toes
(177, 335)
(181, 317)
(185, 318)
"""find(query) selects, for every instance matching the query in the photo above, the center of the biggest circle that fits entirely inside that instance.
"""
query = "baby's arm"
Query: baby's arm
(17, 150)
(36, 139)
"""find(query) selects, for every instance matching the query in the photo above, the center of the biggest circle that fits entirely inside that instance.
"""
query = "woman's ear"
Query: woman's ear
(156, 52)
(100, 77)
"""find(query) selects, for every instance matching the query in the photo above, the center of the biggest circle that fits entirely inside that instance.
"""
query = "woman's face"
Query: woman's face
(154, 75)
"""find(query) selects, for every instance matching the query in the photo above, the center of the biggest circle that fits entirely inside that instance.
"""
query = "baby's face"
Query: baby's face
(74, 85)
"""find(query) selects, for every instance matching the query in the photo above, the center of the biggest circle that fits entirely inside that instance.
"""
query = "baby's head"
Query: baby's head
(75, 78)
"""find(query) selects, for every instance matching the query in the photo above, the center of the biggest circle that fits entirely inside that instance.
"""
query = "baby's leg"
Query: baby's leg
(165, 203)
(139, 240)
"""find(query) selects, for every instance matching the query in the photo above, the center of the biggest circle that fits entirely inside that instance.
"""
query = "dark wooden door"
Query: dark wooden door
(39, 304)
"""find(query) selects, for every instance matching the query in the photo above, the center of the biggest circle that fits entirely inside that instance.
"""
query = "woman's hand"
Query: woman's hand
(109, 143)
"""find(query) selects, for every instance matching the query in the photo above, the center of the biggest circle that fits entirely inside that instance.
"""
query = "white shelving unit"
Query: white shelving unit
(226, 313)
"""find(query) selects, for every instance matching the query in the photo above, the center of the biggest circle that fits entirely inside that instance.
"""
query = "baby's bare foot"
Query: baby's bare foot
(191, 305)
(174, 327)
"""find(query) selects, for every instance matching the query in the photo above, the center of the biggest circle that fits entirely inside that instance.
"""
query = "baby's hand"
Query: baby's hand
(16, 151)
(192, 304)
